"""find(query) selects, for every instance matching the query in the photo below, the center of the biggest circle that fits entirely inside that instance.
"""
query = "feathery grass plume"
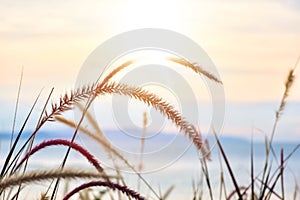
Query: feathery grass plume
(195, 68)
(288, 84)
(114, 186)
(40, 176)
(56, 142)
(156, 102)
(67, 101)
(115, 71)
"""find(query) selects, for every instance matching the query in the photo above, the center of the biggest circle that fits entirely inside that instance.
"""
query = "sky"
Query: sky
(252, 43)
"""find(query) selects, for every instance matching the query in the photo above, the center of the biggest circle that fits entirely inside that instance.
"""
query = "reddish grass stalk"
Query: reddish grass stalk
(55, 142)
(113, 186)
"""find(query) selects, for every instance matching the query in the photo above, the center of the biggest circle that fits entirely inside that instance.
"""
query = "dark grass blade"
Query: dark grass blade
(252, 170)
(39, 121)
(266, 164)
(32, 139)
(16, 109)
(18, 154)
(281, 172)
(268, 187)
(229, 168)
(280, 169)
(206, 174)
(265, 183)
(6, 163)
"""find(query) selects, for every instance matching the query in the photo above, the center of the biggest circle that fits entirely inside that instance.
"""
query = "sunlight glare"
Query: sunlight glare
(158, 14)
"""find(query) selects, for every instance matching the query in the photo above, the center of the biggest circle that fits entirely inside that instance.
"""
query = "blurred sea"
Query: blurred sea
(168, 160)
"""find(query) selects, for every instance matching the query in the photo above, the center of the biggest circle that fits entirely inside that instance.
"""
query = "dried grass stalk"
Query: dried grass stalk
(195, 68)
(115, 71)
(101, 140)
(91, 119)
(38, 176)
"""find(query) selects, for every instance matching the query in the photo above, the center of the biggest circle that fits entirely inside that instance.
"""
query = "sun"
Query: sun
(154, 14)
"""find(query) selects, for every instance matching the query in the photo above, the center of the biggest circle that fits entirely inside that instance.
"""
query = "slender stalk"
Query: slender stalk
(16, 110)
(252, 170)
(39, 176)
(206, 174)
(140, 167)
(281, 172)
